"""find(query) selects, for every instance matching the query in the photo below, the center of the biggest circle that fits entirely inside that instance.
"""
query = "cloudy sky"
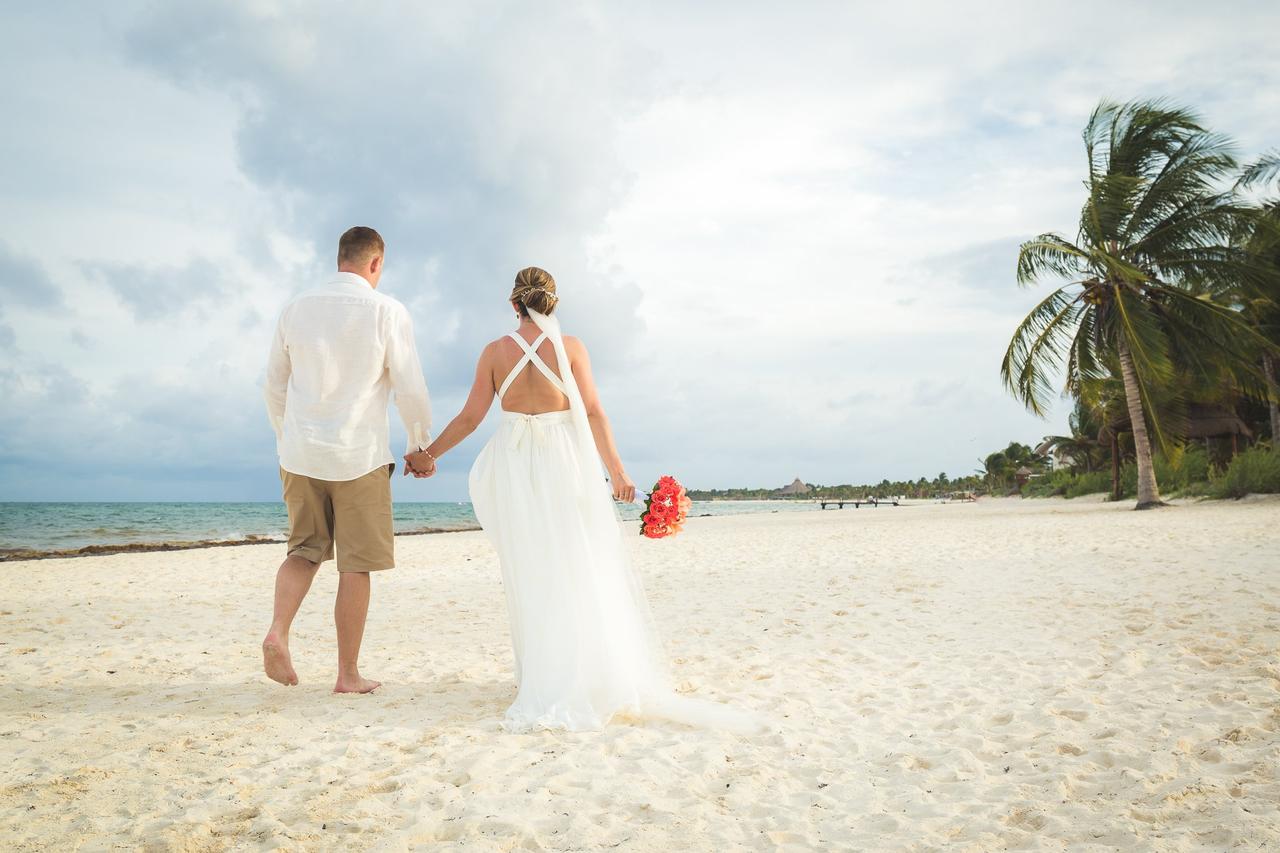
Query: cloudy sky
(787, 232)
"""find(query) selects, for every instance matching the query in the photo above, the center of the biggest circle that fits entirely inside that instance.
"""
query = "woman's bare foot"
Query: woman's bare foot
(276, 661)
(358, 684)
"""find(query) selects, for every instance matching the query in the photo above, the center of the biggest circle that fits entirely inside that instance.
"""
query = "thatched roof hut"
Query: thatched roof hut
(1202, 421)
(797, 487)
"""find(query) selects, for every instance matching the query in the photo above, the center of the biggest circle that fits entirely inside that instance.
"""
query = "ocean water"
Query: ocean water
(68, 526)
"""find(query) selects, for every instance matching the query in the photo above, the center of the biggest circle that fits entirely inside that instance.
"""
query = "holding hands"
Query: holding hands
(421, 464)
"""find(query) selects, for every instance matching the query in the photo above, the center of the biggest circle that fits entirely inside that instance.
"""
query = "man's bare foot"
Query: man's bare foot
(276, 661)
(359, 684)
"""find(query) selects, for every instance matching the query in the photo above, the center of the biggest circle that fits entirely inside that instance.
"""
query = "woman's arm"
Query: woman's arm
(423, 464)
(601, 431)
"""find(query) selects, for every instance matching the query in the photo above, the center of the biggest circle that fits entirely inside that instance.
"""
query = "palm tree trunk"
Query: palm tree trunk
(1115, 466)
(1148, 492)
(1269, 366)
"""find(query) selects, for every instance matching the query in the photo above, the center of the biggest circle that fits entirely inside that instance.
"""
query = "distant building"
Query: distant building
(796, 488)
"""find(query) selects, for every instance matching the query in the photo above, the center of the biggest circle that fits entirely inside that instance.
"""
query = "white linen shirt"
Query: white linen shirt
(338, 353)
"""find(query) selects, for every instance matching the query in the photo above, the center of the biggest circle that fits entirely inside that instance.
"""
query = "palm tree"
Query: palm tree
(1080, 449)
(995, 470)
(1152, 256)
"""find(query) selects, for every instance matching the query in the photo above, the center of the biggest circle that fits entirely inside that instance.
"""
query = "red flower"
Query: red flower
(668, 507)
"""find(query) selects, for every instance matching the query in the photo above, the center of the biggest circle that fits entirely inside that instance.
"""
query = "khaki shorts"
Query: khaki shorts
(354, 513)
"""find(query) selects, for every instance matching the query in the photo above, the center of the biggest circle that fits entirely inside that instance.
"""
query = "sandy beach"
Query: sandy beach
(1041, 675)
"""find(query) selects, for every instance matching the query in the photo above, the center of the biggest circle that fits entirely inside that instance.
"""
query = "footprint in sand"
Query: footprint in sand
(1078, 716)
(1069, 749)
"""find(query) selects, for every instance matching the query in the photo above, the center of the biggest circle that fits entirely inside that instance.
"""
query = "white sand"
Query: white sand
(1035, 675)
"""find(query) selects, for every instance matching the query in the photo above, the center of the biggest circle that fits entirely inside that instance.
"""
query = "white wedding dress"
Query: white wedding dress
(584, 642)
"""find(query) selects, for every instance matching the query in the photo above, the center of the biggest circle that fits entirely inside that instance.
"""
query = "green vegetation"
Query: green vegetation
(1207, 469)
(1256, 471)
(1168, 327)
(1000, 469)
(940, 485)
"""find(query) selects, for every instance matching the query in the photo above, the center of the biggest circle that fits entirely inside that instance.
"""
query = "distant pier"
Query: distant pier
(838, 503)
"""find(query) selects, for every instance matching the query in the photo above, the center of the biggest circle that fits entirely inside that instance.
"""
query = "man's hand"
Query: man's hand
(420, 464)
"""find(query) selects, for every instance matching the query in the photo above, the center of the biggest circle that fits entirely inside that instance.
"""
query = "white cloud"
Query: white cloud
(786, 232)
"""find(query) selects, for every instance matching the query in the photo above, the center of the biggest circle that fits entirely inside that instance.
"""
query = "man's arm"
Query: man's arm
(407, 381)
(276, 386)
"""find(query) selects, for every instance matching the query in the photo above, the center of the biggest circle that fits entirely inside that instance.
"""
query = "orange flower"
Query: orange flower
(655, 531)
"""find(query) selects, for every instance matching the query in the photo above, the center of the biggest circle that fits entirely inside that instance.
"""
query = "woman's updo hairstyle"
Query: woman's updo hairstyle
(536, 289)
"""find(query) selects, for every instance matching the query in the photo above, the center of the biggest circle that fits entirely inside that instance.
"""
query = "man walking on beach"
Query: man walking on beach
(339, 352)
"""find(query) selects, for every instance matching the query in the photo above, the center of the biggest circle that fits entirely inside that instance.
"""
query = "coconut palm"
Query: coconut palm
(995, 471)
(1146, 271)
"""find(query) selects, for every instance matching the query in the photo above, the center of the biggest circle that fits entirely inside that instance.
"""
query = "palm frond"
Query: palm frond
(1049, 254)
(1035, 352)
(1216, 219)
(1262, 170)
(1083, 364)
(1143, 156)
(1216, 270)
(1192, 172)
(1215, 344)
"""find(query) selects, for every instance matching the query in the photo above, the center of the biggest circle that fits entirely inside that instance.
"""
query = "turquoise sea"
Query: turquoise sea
(69, 526)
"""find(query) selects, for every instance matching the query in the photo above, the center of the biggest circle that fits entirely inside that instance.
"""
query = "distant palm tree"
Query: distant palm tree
(995, 471)
(1081, 449)
(1151, 259)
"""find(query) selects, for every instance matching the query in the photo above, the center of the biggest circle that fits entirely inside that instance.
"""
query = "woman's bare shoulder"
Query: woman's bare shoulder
(491, 350)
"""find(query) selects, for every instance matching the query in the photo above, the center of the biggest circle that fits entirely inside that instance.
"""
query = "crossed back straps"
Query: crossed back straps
(530, 357)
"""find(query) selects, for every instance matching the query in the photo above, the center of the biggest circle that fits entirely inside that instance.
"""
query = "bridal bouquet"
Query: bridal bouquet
(665, 509)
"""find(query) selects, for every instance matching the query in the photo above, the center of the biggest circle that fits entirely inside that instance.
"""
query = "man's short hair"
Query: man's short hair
(359, 245)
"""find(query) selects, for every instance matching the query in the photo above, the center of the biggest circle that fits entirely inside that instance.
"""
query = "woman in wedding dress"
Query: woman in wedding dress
(584, 643)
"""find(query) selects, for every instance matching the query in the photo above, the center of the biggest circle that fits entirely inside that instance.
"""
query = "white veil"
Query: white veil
(591, 474)
(635, 638)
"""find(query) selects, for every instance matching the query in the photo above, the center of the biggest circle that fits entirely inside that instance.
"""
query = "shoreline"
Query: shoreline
(98, 549)
(21, 554)
(10, 555)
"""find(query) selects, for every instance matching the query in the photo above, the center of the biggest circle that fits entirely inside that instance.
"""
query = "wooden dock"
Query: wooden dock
(839, 503)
